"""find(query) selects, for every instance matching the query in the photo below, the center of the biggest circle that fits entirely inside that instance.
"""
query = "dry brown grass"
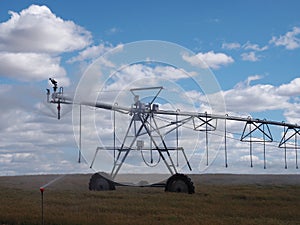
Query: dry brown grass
(69, 202)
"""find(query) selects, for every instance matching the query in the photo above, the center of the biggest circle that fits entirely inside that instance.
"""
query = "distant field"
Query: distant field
(219, 199)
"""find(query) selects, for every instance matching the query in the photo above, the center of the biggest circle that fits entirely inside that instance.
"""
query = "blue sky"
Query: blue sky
(252, 48)
(200, 26)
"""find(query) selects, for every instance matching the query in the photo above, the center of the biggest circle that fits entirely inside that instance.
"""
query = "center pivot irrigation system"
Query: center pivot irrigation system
(144, 123)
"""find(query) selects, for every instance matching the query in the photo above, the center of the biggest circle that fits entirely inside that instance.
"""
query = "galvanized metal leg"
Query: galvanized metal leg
(117, 165)
(225, 143)
(157, 147)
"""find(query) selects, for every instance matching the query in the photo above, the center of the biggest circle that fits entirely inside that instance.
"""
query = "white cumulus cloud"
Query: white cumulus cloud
(37, 29)
(249, 56)
(93, 52)
(254, 47)
(290, 89)
(255, 98)
(265, 97)
(209, 59)
(31, 41)
(290, 40)
(30, 66)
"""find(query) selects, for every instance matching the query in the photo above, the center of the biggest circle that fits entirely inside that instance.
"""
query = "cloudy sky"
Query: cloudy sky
(251, 47)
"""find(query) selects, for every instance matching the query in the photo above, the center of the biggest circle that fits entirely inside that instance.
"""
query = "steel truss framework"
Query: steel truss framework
(144, 122)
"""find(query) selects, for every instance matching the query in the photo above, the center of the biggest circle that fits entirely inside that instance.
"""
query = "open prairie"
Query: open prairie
(219, 199)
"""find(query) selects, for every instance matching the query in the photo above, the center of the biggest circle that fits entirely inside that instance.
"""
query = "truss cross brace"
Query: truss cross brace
(253, 127)
(247, 136)
(205, 123)
(287, 137)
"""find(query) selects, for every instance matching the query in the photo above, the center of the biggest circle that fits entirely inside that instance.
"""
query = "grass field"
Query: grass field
(68, 201)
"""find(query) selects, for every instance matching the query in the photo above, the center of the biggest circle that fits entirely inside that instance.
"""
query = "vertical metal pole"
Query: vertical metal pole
(79, 156)
(296, 154)
(285, 162)
(265, 166)
(134, 125)
(58, 110)
(206, 137)
(225, 144)
(42, 203)
(114, 136)
(43, 208)
(151, 152)
(177, 140)
(251, 164)
(150, 141)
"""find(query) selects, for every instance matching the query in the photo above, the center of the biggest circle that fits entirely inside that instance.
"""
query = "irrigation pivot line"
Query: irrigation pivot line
(144, 121)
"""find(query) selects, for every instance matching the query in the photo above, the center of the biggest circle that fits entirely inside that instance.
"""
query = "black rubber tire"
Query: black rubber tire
(180, 183)
(99, 182)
